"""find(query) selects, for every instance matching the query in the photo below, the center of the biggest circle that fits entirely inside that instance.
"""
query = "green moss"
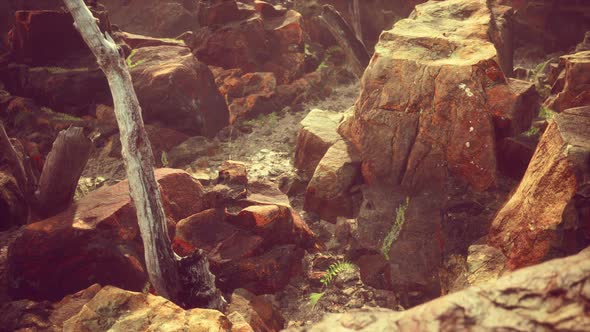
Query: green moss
(58, 116)
(129, 60)
(59, 70)
(393, 234)
(546, 113)
(262, 120)
(533, 131)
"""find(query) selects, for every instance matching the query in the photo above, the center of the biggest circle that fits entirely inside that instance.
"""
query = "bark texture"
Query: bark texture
(347, 39)
(553, 296)
(61, 171)
(161, 261)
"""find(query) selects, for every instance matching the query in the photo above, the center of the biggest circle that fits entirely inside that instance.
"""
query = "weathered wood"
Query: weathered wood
(9, 153)
(161, 261)
(62, 170)
(357, 53)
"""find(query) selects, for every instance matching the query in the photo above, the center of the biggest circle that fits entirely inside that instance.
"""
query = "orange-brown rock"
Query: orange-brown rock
(94, 237)
(317, 134)
(328, 192)
(177, 90)
(253, 41)
(574, 89)
(233, 172)
(426, 106)
(258, 312)
(115, 309)
(547, 216)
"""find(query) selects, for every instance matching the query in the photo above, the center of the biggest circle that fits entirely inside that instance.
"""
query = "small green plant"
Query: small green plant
(314, 298)
(331, 273)
(146, 288)
(164, 159)
(393, 234)
(546, 113)
(533, 131)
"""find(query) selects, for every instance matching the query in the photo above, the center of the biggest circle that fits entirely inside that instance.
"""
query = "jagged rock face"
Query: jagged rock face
(548, 214)
(546, 297)
(572, 86)
(176, 89)
(13, 206)
(426, 109)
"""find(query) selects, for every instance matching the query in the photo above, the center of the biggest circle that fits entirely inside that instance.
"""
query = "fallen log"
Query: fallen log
(62, 170)
(347, 39)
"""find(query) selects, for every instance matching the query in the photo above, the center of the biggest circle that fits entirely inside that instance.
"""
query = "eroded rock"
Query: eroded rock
(548, 216)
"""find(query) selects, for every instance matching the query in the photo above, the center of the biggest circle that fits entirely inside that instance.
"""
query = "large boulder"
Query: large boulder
(176, 89)
(426, 109)
(153, 18)
(546, 297)
(97, 235)
(328, 192)
(71, 90)
(252, 38)
(572, 88)
(548, 214)
(317, 134)
(48, 37)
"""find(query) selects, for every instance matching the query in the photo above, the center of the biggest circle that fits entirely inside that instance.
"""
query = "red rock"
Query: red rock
(545, 217)
(246, 39)
(94, 237)
(264, 274)
(176, 89)
(233, 172)
(328, 192)
(317, 135)
(574, 90)
(513, 105)
(223, 242)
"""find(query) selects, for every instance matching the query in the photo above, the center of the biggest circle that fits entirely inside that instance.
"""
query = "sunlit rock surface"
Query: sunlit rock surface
(547, 215)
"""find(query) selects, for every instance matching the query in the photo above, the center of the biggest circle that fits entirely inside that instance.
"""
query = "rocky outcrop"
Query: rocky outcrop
(94, 237)
(546, 297)
(572, 84)
(317, 135)
(176, 89)
(548, 215)
(429, 100)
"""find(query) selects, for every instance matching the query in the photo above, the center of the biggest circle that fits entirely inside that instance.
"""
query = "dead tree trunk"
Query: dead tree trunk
(357, 53)
(161, 262)
(62, 170)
